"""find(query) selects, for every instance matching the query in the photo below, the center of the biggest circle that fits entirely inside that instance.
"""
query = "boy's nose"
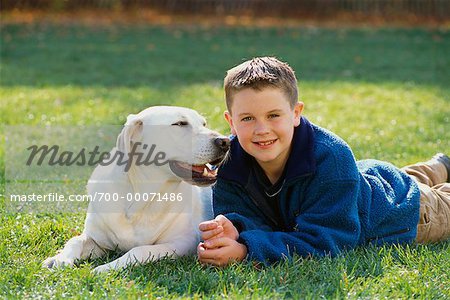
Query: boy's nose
(261, 128)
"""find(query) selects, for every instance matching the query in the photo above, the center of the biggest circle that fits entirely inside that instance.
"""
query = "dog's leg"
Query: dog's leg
(79, 247)
(143, 254)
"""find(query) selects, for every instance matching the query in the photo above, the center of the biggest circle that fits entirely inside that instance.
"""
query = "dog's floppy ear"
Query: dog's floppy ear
(131, 132)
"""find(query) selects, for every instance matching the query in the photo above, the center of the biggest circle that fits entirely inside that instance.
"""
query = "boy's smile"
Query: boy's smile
(264, 123)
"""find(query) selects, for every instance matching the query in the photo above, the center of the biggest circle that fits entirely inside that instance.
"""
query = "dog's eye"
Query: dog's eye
(181, 123)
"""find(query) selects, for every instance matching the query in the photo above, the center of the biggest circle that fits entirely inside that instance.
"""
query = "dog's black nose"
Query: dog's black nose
(223, 143)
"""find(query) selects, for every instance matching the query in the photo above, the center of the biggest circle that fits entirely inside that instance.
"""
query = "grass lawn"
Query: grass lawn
(386, 91)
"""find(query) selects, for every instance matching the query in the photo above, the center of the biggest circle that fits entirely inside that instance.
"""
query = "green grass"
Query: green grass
(385, 91)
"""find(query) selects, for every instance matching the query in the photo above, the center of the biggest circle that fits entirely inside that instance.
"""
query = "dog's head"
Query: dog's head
(178, 140)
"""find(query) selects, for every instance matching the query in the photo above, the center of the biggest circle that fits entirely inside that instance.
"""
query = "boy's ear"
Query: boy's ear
(229, 119)
(298, 109)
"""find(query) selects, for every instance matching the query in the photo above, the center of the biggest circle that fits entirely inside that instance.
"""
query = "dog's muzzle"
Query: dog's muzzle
(202, 174)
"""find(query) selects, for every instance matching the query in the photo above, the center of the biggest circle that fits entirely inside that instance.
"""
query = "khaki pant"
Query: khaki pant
(434, 221)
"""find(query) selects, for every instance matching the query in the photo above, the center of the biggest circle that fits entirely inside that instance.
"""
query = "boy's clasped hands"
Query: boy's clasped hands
(220, 246)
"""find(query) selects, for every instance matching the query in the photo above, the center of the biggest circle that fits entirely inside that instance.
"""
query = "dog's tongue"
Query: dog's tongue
(205, 170)
(198, 169)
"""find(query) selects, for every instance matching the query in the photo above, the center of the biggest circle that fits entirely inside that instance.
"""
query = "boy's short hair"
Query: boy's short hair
(259, 73)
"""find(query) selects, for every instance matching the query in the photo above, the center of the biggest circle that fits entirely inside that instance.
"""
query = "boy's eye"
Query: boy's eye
(246, 119)
(271, 116)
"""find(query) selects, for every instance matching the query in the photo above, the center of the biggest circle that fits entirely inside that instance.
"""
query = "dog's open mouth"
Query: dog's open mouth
(195, 174)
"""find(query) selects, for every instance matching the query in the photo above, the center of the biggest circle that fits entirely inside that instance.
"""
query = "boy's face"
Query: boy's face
(264, 123)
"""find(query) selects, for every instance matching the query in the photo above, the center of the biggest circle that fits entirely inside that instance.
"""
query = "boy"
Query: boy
(290, 186)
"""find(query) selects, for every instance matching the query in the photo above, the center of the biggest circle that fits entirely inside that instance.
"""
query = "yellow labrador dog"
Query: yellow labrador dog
(147, 202)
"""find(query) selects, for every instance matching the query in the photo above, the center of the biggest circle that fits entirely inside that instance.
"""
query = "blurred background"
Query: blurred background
(413, 10)
(377, 72)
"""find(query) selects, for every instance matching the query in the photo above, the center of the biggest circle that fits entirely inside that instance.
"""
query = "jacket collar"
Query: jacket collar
(301, 160)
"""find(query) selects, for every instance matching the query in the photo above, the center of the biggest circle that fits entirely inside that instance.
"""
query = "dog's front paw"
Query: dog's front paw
(102, 269)
(57, 261)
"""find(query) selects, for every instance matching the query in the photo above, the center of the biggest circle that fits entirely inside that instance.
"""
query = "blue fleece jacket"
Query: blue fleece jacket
(329, 202)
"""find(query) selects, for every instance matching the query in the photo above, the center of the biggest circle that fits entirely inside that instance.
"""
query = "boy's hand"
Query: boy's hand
(219, 227)
(221, 251)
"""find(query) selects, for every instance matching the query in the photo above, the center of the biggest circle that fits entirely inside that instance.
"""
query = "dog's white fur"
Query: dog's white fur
(147, 230)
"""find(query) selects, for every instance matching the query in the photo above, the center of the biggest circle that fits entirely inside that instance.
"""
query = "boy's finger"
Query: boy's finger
(208, 225)
(207, 261)
(216, 242)
(200, 248)
(212, 257)
(221, 219)
(206, 235)
(204, 253)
